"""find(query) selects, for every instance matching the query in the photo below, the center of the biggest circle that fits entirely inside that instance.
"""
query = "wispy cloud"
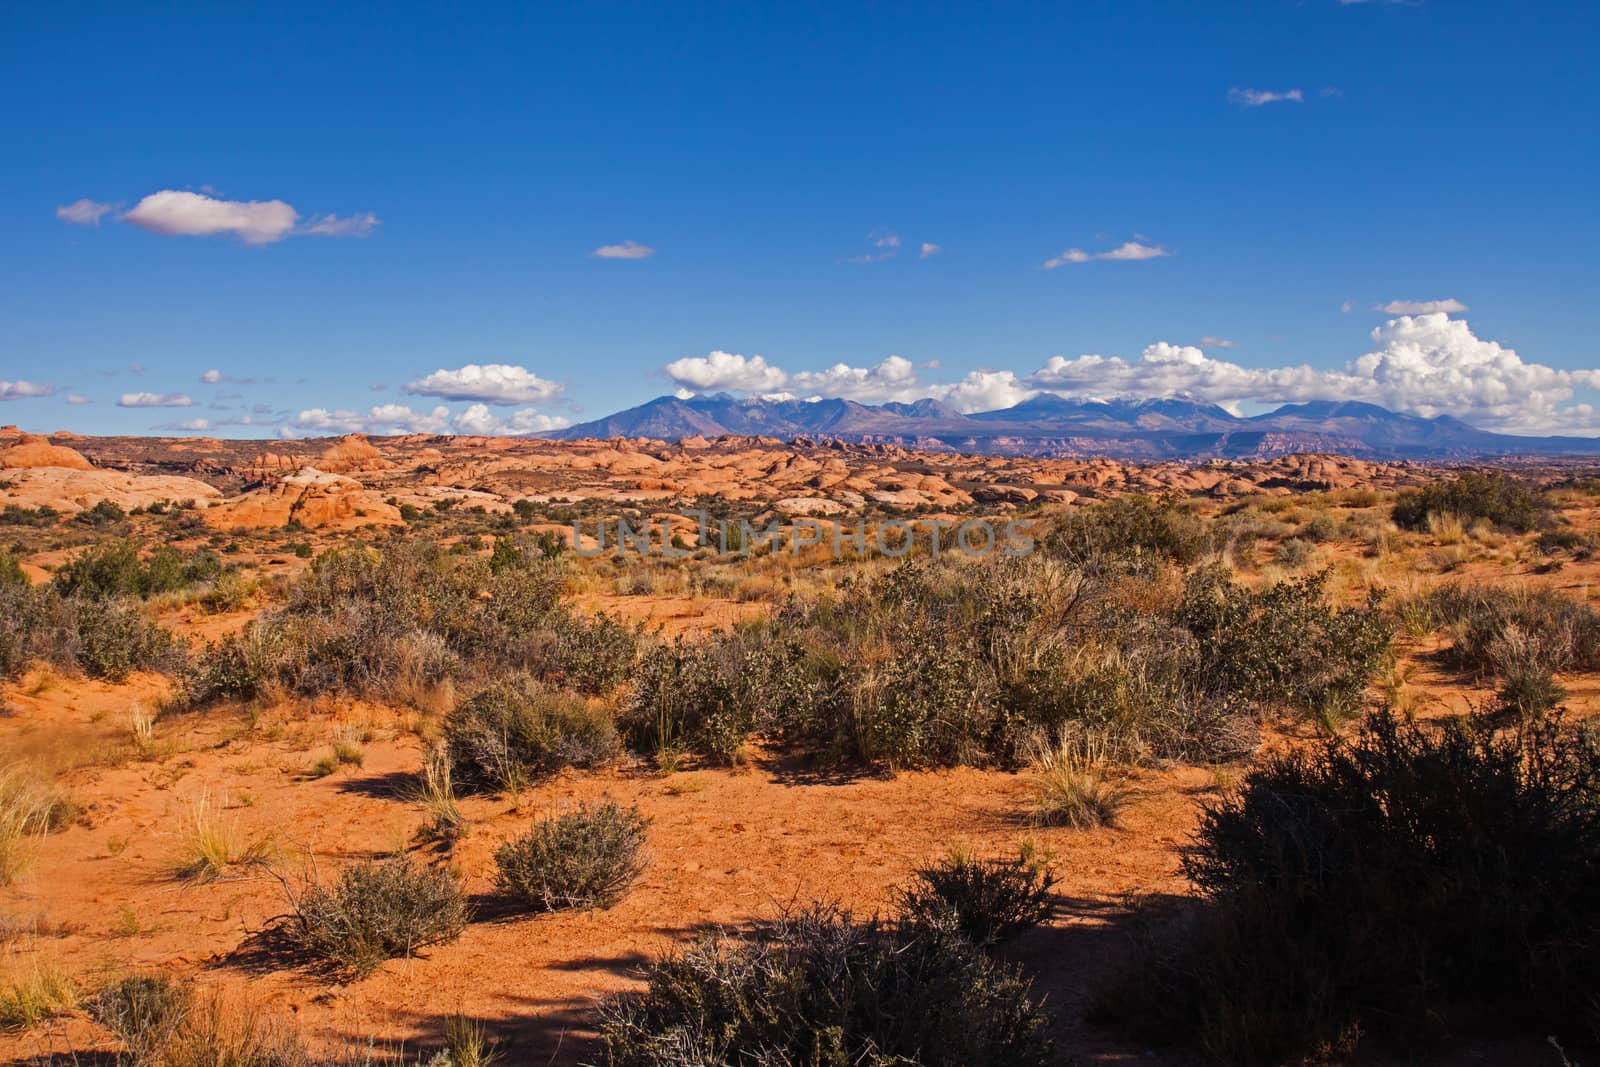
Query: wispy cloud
(1128, 251)
(929, 250)
(625, 250)
(360, 224)
(1214, 342)
(1420, 307)
(84, 212)
(154, 400)
(1260, 97)
(887, 243)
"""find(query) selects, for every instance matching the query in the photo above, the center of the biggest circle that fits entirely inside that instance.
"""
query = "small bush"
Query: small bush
(118, 568)
(162, 1023)
(144, 1012)
(1409, 882)
(1501, 499)
(987, 900)
(821, 987)
(519, 730)
(376, 911)
(1136, 532)
(587, 858)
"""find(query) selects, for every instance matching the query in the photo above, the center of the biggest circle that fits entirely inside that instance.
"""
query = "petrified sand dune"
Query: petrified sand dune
(69, 490)
(311, 497)
(34, 450)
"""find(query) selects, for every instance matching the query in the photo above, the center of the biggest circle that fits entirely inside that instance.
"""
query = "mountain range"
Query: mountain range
(1052, 425)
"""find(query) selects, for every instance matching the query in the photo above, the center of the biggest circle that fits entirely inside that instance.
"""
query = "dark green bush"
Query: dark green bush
(119, 568)
(375, 911)
(1413, 883)
(824, 989)
(518, 730)
(103, 638)
(1505, 501)
(989, 901)
(1137, 532)
(587, 858)
(14, 515)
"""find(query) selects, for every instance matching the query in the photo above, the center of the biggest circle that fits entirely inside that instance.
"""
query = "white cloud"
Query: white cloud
(1419, 307)
(212, 377)
(479, 420)
(1214, 342)
(361, 224)
(178, 213)
(985, 390)
(1128, 251)
(20, 390)
(174, 213)
(726, 370)
(1348, 306)
(1258, 97)
(381, 419)
(893, 379)
(78, 398)
(625, 250)
(154, 400)
(490, 383)
(83, 212)
(929, 250)
(1426, 364)
(188, 424)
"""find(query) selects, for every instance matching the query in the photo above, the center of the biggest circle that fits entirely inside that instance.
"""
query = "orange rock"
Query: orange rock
(34, 450)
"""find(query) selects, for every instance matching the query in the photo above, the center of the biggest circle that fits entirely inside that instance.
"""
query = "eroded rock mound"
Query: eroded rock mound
(71, 490)
(311, 497)
(35, 450)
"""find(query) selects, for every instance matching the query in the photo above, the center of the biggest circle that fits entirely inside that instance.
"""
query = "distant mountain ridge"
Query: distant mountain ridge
(1053, 425)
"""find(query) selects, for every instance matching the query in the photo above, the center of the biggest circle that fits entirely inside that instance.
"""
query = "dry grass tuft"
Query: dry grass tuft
(1071, 786)
(214, 846)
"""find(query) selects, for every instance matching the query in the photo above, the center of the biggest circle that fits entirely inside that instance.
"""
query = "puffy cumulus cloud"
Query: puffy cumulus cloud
(720, 370)
(1434, 365)
(1128, 251)
(179, 213)
(154, 400)
(487, 383)
(1261, 97)
(1427, 365)
(625, 250)
(1168, 370)
(929, 250)
(479, 420)
(893, 379)
(212, 377)
(985, 390)
(83, 212)
(380, 419)
(1420, 307)
(21, 390)
(175, 213)
(76, 399)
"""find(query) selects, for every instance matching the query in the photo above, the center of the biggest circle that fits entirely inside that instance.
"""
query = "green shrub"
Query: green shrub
(144, 1012)
(1137, 532)
(1414, 883)
(14, 515)
(1503, 500)
(823, 988)
(587, 858)
(374, 912)
(1477, 617)
(989, 901)
(518, 730)
(103, 638)
(117, 568)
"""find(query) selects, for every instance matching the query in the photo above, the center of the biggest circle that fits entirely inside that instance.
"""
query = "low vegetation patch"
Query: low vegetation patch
(988, 900)
(519, 730)
(1501, 499)
(1413, 883)
(587, 858)
(375, 911)
(823, 987)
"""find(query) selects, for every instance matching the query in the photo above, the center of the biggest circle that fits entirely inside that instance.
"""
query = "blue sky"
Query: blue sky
(445, 177)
